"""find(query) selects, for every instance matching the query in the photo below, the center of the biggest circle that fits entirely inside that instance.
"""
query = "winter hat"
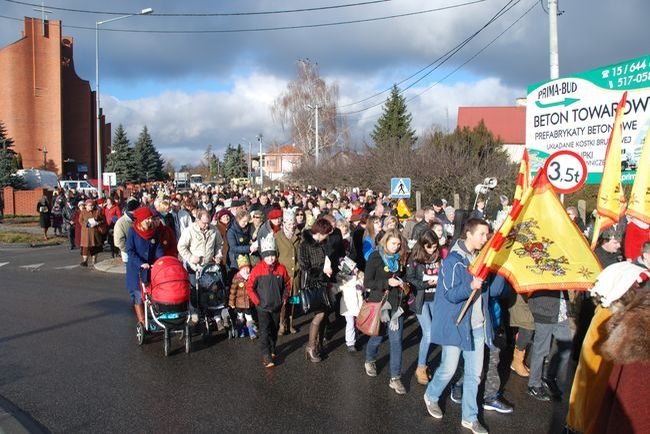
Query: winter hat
(132, 204)
(275, 213)
(289, 215)
(142, 213)
(243, 261)
(89, 202)
(614, 281)
(267, 246)
(222, 213)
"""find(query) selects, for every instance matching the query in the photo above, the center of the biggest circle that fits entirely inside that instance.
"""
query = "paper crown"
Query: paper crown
(242, 261)
(267, 245)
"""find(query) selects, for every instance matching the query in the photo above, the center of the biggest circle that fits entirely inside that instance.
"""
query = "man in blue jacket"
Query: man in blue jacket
(474, 331)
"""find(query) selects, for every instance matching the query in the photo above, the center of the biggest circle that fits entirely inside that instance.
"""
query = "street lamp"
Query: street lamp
(250, 161)
(259, 139)
(44, 151)
(146, 11)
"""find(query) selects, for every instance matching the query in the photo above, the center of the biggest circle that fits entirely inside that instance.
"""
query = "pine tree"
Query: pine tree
(149, 162)
(9, 161)
(121, 159)
(393, 128)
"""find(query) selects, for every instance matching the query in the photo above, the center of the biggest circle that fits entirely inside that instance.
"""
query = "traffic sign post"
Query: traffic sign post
(566, 171)
(400, 188)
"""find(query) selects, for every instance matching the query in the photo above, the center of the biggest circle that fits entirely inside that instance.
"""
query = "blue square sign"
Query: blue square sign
(400, 188)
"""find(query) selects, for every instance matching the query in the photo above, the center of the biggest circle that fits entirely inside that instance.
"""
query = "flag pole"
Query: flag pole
(467, 303)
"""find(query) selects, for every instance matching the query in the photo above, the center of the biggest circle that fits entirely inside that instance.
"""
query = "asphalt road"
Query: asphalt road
(69, 359)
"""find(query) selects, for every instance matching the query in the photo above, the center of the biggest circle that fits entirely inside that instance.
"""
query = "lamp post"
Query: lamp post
(44, 151)
(315, 107)
(146, 11)
(250, 161)
(259, 139)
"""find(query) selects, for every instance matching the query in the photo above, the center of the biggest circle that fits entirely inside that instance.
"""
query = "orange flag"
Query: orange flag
(538, 246)
(609, 205)
(523, 178)
(639, 205)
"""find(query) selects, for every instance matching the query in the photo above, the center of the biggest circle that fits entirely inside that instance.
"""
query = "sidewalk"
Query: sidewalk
(110, 265)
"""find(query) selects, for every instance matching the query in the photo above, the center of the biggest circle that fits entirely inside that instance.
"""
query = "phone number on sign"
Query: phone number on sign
(639, 78)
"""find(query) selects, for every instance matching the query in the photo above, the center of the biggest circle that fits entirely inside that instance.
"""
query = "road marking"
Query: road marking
(33, 267)
(2, 264)
(67, 267)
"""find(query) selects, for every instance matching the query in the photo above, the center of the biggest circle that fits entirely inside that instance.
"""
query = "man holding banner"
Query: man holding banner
(456, 288)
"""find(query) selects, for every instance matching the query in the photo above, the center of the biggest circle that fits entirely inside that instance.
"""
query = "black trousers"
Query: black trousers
(268, 331)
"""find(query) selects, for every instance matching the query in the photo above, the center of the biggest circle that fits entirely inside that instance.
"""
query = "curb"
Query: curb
(15, 421)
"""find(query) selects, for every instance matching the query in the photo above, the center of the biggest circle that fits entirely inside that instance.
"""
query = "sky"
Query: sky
(200, 73)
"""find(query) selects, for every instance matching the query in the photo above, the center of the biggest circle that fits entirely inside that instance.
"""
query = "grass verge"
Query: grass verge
(22, 237)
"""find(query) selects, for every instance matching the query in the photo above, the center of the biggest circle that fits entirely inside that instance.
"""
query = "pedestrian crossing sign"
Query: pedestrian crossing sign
(400, 188)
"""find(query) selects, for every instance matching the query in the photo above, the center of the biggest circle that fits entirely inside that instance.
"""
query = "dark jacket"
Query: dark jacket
(414, 276)
(420, 227)
(607, 258)
(311, 256)
(239, 243)
(545, 305)
(335, 250)
(268, 287)
(375, 279)
(452, 293)
(140, 251)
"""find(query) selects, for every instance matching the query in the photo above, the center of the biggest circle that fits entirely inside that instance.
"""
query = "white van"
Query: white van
(79, 185)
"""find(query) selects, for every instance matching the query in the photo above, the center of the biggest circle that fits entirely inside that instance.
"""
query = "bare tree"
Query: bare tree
(295, 110)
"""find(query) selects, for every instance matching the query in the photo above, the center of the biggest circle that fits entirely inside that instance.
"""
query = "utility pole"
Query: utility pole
(552, 32)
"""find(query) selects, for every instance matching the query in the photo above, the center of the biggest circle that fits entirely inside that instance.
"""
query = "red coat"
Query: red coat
(268, 286)
(634, 239)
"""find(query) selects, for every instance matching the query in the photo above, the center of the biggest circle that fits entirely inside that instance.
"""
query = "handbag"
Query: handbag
(369, 318)
(314, 297)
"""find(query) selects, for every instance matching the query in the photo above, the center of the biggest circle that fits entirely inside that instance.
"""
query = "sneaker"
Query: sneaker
(268, 362)
(396, 384)
(552, 388)
(456, 394)
(539, 393)
(371, 369)
(498, 405)
(475, 427)
(432, 407)
(352, 349)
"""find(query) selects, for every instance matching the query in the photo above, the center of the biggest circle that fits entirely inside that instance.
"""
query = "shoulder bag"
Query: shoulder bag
(369, 318)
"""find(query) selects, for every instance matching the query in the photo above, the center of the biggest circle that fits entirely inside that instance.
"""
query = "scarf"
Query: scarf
(390, 260)
(145, 234)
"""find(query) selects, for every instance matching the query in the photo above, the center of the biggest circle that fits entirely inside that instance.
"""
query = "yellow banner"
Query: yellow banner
(639, 204)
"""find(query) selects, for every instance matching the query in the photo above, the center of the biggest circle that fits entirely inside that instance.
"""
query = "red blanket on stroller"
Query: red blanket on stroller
(170, 283)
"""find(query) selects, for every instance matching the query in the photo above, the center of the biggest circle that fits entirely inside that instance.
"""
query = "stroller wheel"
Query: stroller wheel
(188, 339)
(139, 333)
(205, 334)
(168, 343)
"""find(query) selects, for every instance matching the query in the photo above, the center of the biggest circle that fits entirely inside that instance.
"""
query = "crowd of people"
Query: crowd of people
(272, 244)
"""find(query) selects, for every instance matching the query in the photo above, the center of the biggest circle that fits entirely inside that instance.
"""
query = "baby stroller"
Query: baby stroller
(210, 299)
(166, 303)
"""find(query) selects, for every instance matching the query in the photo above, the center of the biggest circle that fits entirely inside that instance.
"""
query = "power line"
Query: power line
(208, 14)
(440, 61)
(268, 29)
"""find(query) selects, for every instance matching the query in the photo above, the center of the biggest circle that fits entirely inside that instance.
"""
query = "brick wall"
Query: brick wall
(23, 202)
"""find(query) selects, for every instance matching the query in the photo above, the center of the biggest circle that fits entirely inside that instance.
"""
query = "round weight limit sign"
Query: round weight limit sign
(566, 171)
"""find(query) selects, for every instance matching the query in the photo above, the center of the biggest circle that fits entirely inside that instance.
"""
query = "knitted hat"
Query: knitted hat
(142, 213)
(222, 213)
(275, 213)
(289, 215)
(267, 246)
(243, 261)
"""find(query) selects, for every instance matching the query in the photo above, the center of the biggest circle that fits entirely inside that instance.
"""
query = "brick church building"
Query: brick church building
(47, 109)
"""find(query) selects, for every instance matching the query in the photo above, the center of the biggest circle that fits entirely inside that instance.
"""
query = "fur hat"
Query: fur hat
(267, 246)
(243, 261)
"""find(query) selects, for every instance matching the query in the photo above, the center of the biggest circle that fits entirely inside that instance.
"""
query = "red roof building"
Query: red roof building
(280, 161)
(47, 109)
(508, 124)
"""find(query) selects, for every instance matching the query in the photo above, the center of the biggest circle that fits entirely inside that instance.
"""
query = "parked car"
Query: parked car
(79, 185)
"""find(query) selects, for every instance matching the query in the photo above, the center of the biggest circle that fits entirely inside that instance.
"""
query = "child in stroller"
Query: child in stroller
(210, 302)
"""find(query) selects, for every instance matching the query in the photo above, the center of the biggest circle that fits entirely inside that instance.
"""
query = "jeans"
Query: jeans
(541, 348)
(471, 374)
(395, 339)
(424, 319)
